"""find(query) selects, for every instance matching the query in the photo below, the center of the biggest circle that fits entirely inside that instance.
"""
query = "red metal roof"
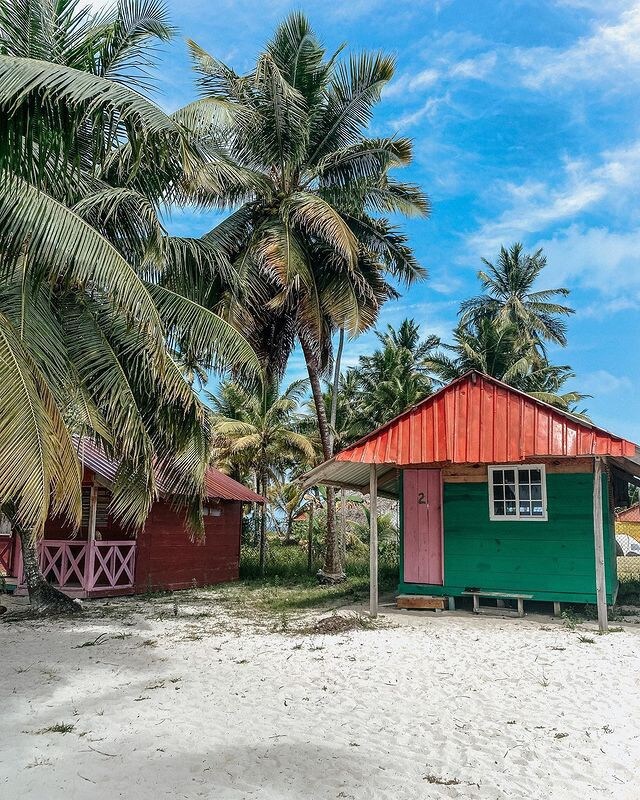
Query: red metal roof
(217, 485)
(221, 486)
(631, 514)
(478, 419)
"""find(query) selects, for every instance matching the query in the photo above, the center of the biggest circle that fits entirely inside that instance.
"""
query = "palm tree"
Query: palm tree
(500, 351)
(288, 501)
(509, 298)
(396, 376)
(92, 331)
(306, 229)
(265, 433)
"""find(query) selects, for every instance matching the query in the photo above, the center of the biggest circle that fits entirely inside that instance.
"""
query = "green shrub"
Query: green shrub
(629, 592)
(289, 564)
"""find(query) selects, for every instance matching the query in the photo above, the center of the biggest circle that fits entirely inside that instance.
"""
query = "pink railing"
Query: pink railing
(6, 551)
(88, 565)
(112, 565)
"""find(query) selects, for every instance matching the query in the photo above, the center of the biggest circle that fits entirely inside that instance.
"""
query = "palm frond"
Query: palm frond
(39, 468)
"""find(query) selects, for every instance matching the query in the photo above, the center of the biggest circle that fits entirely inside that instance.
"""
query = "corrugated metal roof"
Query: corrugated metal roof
(474, 420)
(221, 486)
(217, 485)
(478, 419)
(631, 514)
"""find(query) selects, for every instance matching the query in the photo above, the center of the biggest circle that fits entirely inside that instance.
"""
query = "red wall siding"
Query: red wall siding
(166, 557)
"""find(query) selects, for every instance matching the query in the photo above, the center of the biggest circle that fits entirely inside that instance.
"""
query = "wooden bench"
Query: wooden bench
(500, 598)
(419, 601)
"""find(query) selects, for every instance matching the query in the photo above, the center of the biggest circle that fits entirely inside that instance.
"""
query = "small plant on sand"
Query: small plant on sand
(610, 630)
(571, 618)
(442, 781)
(101, 639)
(39, 762)
(59, 727)
(586, 639)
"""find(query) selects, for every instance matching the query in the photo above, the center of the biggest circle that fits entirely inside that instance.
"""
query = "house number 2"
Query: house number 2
(421, 500)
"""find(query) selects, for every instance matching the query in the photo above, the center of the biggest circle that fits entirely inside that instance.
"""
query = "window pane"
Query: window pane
(523, 492)
(525, 509)
(509, 476)
(510, 492)
(498, 508)
(535, 476)
(523, 475)
(497, 476)
(498, 492)
(536, 492)
(510, 509)
(537, 510)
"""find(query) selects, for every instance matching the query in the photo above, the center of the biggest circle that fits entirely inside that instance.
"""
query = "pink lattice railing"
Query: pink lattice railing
(6, 553)
(88, 565)
(112, 565)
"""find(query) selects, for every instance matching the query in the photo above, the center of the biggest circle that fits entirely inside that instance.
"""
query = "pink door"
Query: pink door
(422, 517)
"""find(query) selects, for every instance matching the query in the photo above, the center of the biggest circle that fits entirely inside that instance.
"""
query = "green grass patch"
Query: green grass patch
(286, 593)
(287, 585)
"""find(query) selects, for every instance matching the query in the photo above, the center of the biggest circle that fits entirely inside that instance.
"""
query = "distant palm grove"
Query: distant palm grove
(111, 327)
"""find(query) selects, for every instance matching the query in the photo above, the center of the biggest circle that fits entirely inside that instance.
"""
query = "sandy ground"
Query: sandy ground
(205, 704)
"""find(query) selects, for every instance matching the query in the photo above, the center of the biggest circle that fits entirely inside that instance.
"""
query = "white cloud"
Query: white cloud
(605, 309)
(447, 69)
(476, 68)
(603, 382)
(600, 259)
(427, 110)
(611, 48)
(410, 82)
(536, 205)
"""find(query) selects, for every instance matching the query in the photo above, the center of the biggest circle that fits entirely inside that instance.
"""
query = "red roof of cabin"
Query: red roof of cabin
(478, 419)
(217, 485)
(631, 514)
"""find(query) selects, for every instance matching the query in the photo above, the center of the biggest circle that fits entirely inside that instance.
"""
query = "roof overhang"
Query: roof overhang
(354, 475)
(629, 466)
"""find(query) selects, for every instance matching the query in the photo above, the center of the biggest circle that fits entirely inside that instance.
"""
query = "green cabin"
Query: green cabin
(501, 495)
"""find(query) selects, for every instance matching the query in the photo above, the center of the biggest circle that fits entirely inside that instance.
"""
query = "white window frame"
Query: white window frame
(517, 517)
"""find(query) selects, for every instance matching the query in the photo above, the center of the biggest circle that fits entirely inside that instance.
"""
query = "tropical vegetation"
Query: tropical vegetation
(93, 334)
(308, 233)
(110, 327)
(257, 432)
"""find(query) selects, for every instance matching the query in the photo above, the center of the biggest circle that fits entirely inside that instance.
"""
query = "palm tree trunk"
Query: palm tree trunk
(43, 597)
(287, 536)
(332, 570)
(263, 525)
(343, 525)
(310, 540)
(335, 389)
(256, 515)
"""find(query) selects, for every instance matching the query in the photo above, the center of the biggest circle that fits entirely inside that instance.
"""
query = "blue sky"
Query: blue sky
(525, 122)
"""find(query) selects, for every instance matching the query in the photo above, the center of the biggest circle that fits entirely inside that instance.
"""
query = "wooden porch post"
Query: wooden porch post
(373, 542)
(598, 533)
(91, 538)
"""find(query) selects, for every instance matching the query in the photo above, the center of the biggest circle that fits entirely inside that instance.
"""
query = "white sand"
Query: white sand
(507, 708)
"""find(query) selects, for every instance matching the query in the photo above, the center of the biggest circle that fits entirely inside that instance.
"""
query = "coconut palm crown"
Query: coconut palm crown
(92, 331)
(509, 298)
(309, 234)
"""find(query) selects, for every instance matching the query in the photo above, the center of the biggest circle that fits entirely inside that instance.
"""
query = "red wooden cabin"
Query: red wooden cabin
(103, 560)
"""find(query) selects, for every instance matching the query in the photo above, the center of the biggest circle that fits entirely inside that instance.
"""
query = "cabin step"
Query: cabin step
(419, 601)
